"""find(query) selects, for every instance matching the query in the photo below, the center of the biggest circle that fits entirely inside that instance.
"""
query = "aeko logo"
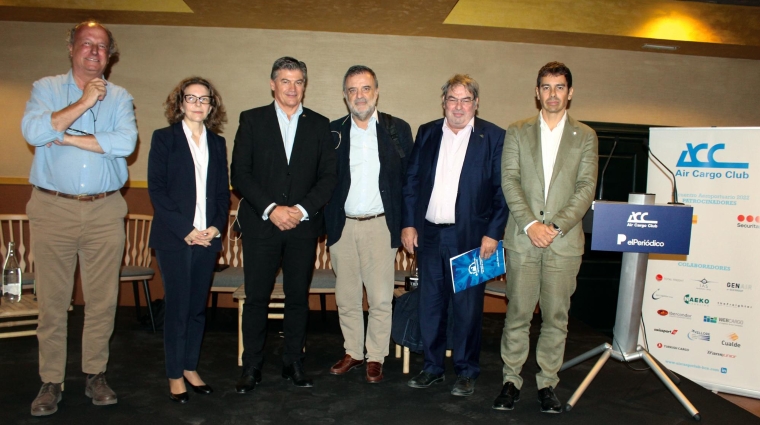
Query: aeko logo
(687, 299)
(692, 152)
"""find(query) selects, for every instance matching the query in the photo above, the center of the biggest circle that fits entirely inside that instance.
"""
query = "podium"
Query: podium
(636, 228)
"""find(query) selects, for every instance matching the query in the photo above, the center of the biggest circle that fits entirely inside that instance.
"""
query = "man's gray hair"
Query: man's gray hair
(113, 49)
(292, 64)
(465, 80)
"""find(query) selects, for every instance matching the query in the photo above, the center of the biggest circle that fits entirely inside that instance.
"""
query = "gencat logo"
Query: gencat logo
(656, 295)
(637, 219)
(693, 161)
(688, 299)
(695, 335)
(658, 278)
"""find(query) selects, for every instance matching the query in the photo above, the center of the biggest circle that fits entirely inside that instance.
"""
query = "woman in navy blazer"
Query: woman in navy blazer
(189, 189)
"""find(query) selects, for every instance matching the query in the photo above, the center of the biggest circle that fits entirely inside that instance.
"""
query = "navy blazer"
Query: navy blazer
(390, 180)
(171, 185)
(480, 206)
(261, 173)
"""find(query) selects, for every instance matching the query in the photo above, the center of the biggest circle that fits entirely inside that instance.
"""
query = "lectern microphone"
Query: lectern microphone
(674, 194)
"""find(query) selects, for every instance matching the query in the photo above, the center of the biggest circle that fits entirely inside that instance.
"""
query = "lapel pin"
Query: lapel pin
(573, 133)
(481, 136)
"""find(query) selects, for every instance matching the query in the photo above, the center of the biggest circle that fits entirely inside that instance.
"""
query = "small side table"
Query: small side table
(26, 309)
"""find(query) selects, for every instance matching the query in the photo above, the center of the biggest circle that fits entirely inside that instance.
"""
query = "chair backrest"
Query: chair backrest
(15, 228)
(136, 250)
(232, 244)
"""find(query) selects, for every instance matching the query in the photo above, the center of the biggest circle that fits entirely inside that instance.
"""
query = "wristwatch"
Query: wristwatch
(558, 229)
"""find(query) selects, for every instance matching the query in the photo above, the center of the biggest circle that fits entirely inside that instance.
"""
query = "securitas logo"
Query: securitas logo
(695, 335)
(688, 299)
(748, 221)
(656, 295)
(638, 242)
(692, 158)
(638, 219)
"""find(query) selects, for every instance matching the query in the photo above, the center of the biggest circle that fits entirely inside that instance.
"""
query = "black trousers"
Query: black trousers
(436, 292)
(263, 258)
(187, 277)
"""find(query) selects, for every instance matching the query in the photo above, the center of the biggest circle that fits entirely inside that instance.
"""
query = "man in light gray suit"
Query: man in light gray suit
(548, 175)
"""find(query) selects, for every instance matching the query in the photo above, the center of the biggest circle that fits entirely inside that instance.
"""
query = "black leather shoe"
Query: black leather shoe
(549, 402)
(425, 379)
(179, 398)
(464, 387)
(248, 380)
(200, 389)
(295, 373)
(507, 397)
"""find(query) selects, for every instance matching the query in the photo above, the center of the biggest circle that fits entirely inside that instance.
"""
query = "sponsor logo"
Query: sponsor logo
(656, 295)
(704, 284)
(672, 347)
(696, 335)
(638, 219)
(738, 287)
(731, 341)
(704, 266)
(723, 370)
(688, 299)
(747, 221)
(674, 314)
(742, 305)
(723, 321)
(715, 353)
(666, 331)
(691, 157)
(658, 278)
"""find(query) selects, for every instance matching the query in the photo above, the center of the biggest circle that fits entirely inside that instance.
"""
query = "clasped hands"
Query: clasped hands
(285, 218)
(541, 235)
(202, 237)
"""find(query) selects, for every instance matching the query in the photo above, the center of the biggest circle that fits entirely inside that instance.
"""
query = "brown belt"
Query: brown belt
(83, 198)
(366, 217)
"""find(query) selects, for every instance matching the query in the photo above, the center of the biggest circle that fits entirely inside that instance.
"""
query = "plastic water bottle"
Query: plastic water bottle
(11, 276)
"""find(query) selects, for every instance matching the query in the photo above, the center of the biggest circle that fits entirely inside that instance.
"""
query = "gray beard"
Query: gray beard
(365, 115)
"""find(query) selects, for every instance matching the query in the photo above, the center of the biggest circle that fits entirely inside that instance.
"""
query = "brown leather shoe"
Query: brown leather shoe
(98, 390)
(47, 400)
(345, 364)
(374, 372)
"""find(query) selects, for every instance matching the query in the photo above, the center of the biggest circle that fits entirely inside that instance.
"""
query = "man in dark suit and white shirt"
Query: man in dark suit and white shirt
(453, 203)
(283, 165)
(364, 220)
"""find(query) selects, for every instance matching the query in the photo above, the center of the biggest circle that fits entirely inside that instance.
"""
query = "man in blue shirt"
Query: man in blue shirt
(82, 128)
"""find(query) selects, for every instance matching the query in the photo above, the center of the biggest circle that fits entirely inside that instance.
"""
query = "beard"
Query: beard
(362, 115)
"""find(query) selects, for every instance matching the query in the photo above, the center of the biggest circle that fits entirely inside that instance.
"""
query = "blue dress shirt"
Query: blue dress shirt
(68, 169)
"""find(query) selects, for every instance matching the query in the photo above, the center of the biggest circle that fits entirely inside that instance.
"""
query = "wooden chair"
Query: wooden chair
(137, 259)
(15, 228)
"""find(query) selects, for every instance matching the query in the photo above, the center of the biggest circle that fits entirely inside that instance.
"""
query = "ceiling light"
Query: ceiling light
(659, 47)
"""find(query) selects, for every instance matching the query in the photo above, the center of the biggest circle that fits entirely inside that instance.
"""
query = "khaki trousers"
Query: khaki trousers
(363, 258)
(549, 279)
(65, 230)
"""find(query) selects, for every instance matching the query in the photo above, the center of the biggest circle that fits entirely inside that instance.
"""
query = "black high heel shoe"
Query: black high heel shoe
(200, 389)
(179, 398)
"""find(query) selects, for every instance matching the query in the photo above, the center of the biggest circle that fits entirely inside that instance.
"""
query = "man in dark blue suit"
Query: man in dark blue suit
(453, 203)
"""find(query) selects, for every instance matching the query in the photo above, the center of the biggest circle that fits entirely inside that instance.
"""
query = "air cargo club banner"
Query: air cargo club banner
(701, 312)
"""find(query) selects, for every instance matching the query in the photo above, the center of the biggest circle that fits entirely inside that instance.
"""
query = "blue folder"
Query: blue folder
(468, 269)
